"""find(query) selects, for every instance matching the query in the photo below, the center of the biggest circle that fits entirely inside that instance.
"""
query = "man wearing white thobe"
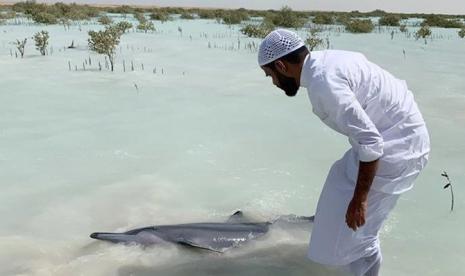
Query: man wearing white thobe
(389, 139)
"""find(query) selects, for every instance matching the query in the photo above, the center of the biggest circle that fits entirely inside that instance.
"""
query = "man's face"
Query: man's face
(287, 84)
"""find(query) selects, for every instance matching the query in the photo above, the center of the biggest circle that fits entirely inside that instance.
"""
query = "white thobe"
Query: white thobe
(378, 114)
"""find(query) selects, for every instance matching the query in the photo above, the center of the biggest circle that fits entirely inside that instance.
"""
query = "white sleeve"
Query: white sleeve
(344, 113)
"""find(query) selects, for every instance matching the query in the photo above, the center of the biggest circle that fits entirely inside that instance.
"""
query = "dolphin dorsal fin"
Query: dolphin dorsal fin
(237, 217)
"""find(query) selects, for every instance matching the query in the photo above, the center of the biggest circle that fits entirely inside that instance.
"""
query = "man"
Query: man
(389, 139)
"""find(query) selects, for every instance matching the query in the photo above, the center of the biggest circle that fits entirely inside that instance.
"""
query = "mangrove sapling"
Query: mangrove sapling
(403, 28)
(20, 44)
(105, 20)
(424, 32)
(462, 32)
(313, 41)
(389, 20)
(41, 41)
(105, 42)
(146, 26)
(140, 17)
(359, 26)
(124, 26)
(66, 23)
(449, 185)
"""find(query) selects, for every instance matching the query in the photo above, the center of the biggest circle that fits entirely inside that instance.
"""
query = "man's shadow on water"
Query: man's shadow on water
(282, 260)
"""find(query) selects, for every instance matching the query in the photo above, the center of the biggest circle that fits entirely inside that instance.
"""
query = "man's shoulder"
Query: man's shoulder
(340, 57)
(339, 63)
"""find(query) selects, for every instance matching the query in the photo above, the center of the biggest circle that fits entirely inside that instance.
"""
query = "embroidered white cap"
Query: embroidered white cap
(277, 44)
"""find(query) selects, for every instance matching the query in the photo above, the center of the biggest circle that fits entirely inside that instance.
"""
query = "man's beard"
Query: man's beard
(289, 85)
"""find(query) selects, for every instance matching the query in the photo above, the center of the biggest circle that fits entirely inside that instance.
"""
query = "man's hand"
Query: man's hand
(356, 211)
(355, 216)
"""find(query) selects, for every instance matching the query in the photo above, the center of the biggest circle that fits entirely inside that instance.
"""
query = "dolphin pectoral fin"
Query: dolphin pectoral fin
(200, 246)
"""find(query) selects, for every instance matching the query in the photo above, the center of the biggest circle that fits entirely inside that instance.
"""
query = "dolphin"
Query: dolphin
(217, 237)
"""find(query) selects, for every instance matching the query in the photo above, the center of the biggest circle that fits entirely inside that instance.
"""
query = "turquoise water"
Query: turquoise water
(84, 151)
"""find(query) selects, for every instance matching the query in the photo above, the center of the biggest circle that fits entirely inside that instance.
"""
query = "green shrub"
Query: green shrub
(313, 40)
(343, 19)
(389, 20)
(423, 32)
(105, 42)
(123, 26)
(462, 32)
(173, 10)
(186, 15)
(323, 19)
(403, 28)
(259, 31)
(146, 26)
(359, 26)
(206, 14)
(58, 10)
(41, 41)
(439, 21)
(234, 17)
(140, 17)
(46, 18)
(7, 15)
(105, 20)
(377, 13)
(162, 16)
(29, 7)
(287, 18)
(124, 9)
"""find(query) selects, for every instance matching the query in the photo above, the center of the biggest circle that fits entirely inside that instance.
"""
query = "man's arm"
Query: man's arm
(346, 115)
(356, 211)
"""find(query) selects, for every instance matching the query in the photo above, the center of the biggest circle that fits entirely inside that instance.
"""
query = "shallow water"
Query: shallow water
(84, 151)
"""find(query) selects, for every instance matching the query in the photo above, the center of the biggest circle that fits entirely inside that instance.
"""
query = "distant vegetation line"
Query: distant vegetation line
(265, 20)
(75, 11)
(254, 23)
